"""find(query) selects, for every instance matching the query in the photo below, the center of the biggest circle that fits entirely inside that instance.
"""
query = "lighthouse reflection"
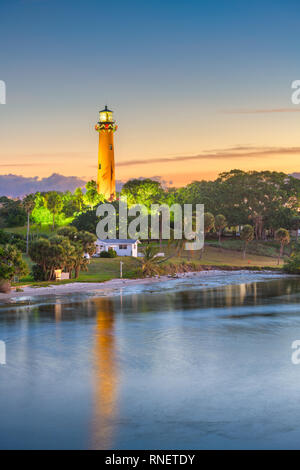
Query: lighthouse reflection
(105, 380)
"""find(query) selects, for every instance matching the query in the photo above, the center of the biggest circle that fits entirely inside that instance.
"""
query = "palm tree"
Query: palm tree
(28, 204)
(92, 196)
(179, 243)
(209, 223)
(78, 196)
(54, 203)
(150, 261)
(247, 234)
(283, 236)
(220, 224)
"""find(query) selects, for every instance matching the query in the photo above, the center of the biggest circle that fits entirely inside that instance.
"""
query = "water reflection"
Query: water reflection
(200, 363)
(105, 376)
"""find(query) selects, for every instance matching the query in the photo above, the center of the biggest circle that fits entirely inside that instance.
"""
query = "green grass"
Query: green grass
(224, 257)
(263, 248)
(99, 270)
(103, 269)
(36, 230)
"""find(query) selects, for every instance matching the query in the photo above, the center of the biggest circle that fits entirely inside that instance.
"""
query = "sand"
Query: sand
(107, 287)
(86, 287)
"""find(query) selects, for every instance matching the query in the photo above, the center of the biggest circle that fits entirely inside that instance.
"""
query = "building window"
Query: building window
(110, 147)
(123, 247)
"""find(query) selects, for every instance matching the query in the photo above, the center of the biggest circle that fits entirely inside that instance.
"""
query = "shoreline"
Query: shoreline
(106, 286)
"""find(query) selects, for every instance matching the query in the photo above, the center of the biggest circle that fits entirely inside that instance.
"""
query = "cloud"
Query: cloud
(239, 152)
(17, 186)
(262, 111)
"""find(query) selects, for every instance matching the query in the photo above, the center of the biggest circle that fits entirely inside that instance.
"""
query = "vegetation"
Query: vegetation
(247, 235)
(283, 236)
(11, 265)
(252, 212)
(28, 204)
(54, 204)
(110, 253)
(220, 224)
(62, 251)
(150, 262)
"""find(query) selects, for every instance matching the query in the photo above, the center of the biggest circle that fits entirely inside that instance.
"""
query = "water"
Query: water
(200, 363)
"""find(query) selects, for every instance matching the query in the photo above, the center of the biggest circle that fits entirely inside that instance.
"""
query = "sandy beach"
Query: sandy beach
(89, 287)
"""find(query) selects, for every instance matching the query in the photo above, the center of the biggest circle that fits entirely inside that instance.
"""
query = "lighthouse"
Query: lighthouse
(106, 127)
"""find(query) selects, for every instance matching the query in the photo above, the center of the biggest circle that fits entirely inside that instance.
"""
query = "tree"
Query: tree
(78, 196)
(179, 244)
(209, 223)
(264, 197)
(86, 221)
(87, 241)
(69, 231)
(283, 236)
(28, 204)
(11, 264)
(12, 213)
(92, 196)
(54, 203)
(70, 205)
(295, 222)
(292, 264)
(247, 235)
(62, 251)
(150, 261)
(220, 224)
(147, 192)
(50, 254)
(142, 191)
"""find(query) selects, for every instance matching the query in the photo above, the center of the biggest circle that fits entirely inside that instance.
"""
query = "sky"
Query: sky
(197, 87)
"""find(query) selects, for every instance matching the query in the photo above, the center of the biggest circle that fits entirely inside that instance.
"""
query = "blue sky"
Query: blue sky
(170, 70)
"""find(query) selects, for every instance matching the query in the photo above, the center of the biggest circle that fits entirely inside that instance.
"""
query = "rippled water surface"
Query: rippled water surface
(203, 362)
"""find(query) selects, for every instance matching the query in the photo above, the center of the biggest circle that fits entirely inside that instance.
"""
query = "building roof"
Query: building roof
(105, 109)
(117, 241)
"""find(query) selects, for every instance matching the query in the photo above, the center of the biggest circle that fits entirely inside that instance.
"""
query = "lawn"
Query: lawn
(224, 257)
(103, 269)
(256, 247)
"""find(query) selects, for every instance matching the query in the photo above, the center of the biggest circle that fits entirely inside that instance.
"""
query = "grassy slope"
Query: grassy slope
(220, 256)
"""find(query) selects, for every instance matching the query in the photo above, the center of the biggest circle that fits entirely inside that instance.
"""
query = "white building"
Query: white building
(123, 247)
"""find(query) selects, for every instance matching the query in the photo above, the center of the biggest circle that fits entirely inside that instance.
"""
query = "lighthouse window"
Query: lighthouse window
(110, 147)
(99, 166)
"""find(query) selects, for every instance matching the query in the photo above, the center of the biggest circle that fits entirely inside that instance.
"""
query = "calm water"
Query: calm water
(199, 363)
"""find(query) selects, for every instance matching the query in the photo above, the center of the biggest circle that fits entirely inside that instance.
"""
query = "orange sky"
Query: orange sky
(198, 149)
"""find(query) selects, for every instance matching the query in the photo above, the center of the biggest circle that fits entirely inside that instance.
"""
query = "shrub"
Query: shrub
(108, 254)
(86, 221)
(11, 264)
(292, 265)
(37, 273)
